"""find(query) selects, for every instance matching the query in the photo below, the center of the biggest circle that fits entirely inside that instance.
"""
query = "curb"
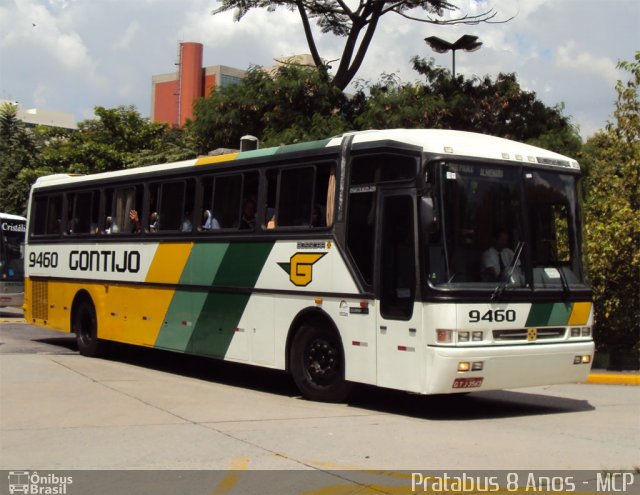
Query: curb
(614, 379)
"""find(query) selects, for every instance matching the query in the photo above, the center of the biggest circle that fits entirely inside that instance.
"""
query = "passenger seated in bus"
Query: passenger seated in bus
(154, 222)
(108, 225)
(248, 220)
(497, 258)
(209, 222)
(186, 225)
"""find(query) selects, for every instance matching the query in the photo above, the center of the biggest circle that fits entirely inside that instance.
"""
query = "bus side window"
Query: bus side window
(70, 199)
(39, 216)
(296, 196)
(171, 212)
(361, 221)
(54, 215)
(323, 196)
(84, 219)
(270, 207)
(106, 226)
(126, 200)
(188, 219)
(250, 185)
(153, 207)
(227, 200)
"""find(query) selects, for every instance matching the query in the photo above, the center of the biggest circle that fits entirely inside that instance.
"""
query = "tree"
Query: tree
(612, 209)
(357, 25)
(17, 152)
(116, 138)
(295, 103)
(498, 107)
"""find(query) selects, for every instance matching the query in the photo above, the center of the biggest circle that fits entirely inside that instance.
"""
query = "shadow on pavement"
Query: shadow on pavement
(479, 405)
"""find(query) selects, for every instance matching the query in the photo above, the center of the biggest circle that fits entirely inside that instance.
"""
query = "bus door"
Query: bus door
(398, 320)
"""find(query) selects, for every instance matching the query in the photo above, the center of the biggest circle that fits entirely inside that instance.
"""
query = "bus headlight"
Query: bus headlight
(575, 332)
(463, 336)
(477, 336)
(586, 332)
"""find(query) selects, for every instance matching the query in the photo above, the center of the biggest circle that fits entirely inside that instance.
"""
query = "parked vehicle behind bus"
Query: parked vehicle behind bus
(12, 230)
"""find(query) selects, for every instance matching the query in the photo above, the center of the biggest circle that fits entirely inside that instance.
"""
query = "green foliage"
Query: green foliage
(500, 108)
(296, 103)
(17, 152)
(612, 208)
(116, 138)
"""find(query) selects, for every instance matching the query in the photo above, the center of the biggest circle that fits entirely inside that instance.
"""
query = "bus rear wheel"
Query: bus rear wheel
(85, 326)
(317, 364)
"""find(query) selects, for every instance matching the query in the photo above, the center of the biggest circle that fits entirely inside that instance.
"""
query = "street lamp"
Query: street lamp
(466, 42)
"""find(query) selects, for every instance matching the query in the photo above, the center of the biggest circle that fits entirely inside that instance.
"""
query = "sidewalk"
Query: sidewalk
(604, 377)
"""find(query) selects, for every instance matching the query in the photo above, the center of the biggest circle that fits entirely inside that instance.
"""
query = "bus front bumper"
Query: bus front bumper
(504, 367)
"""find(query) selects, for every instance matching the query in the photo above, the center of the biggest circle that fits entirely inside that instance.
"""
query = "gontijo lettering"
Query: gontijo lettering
(105, 261)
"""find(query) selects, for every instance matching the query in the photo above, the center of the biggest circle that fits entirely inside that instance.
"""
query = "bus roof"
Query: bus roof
(9, 216)
(433, 141)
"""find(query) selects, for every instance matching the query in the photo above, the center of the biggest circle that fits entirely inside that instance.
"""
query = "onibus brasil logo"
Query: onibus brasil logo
(300, 268)
(34, 483)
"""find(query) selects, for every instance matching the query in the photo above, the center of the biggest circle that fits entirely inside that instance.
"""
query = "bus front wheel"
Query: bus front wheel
(85, 326)
(317, 364)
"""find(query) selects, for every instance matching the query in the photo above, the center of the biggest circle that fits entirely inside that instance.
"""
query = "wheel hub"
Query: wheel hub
(321, 359)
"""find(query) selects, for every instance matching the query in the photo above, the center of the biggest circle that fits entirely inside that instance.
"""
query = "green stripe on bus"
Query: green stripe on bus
(539, 315)
(549, 314)
(310, 145)
(289, 148)
(203, 322)
(204, 263)
(257, 153)
(179, 322)
(242, 264)
(221, 312)
(560, 314)
(217, 323)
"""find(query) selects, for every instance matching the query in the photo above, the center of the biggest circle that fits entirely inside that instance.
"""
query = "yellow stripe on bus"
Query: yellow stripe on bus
(169, 262)
(206, 160)
(580, 313)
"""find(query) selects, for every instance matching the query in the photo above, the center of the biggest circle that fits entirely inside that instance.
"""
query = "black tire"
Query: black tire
(85, 326)
(317, 364)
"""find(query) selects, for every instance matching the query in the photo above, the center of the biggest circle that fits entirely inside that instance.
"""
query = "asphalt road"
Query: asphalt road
(147, 409)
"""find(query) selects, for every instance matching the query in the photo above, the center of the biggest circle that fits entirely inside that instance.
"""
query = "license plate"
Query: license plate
(467, 382)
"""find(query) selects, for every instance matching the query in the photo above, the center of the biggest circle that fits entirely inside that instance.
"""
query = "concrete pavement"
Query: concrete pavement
(145, 409)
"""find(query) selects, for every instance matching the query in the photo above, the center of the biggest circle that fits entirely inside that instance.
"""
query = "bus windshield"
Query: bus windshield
(12, 250)
(505, 226)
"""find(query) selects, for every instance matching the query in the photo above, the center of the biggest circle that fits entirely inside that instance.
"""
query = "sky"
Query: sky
(73, 55)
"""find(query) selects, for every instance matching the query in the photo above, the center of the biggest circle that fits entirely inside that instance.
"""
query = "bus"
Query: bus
(12, 228)
(429, 261)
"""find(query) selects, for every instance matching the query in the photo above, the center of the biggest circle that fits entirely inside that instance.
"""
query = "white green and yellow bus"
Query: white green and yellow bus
(12, 232)
(429, 261)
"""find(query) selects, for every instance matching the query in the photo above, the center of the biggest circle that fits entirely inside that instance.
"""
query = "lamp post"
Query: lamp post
(466, 42)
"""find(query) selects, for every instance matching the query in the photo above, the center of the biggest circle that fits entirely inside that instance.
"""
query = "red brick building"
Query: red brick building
(173, 94)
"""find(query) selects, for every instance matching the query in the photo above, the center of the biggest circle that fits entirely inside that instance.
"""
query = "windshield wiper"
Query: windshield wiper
(509, 271)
